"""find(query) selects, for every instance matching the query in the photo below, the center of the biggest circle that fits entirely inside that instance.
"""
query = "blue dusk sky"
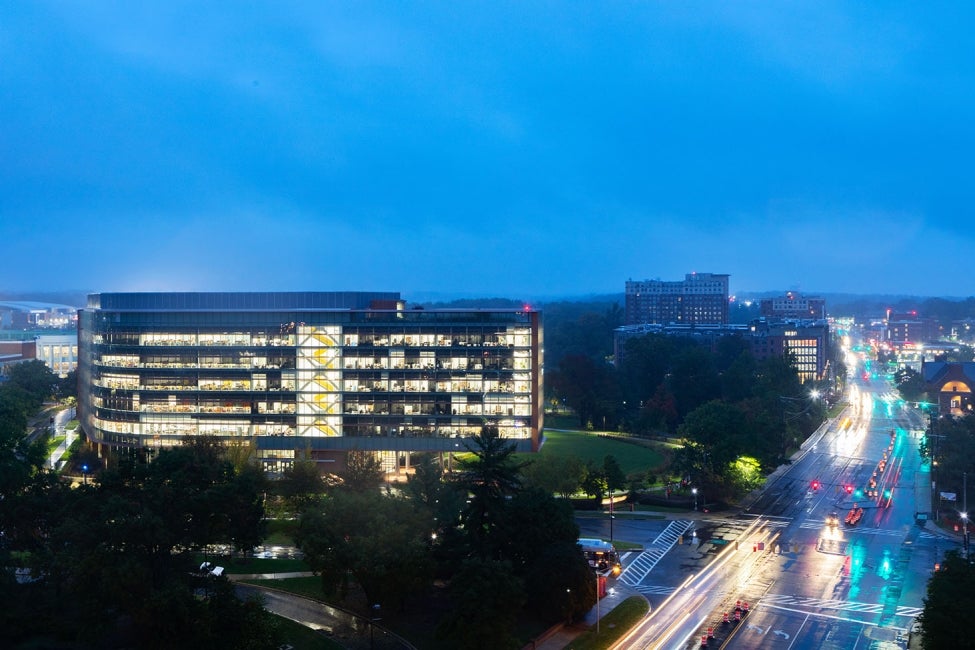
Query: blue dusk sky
(516, 149)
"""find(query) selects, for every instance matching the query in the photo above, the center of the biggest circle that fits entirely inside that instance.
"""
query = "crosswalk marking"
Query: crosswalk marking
(637, 570)
(655, 590)
(838, 605)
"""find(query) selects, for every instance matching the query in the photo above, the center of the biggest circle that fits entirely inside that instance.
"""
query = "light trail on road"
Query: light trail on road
(673, 623)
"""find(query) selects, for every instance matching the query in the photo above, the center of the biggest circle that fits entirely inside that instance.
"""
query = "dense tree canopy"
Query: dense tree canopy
(110, 562)
(36, 379)
(949, 602)
(954, 448)
(911, 385)
(381, 541)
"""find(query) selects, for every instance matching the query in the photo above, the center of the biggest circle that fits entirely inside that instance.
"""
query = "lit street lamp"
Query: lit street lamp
(694, 492)
(964, 522)
(372, 625)
(84, 473)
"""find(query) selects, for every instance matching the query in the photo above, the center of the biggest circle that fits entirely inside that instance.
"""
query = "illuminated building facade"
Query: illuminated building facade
(807, 342)
(698, 299)
(793, 306)
(317, 373)
(951, 386)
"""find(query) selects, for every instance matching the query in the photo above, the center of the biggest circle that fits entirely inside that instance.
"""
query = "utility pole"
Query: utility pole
(964, 490)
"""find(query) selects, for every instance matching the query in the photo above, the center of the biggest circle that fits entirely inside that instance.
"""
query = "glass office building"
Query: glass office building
(316, 373)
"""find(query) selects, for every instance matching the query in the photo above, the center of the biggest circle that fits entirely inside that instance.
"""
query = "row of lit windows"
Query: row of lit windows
(515, 406)
(395, 361)
(169, 433)
(520, 337)
(460, 385)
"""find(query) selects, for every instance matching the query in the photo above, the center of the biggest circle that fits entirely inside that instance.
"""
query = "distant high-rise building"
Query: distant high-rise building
(314, 374)
(698, 299)
(793, 305)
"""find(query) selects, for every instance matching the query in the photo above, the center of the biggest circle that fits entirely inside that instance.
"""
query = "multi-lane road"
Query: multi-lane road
(810, 584)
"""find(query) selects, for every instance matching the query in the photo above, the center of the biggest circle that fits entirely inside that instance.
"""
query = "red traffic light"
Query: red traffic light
(815, 485)
(849, 489)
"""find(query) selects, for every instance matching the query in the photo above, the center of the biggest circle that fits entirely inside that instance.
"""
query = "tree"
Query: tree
(363, 471)
(955, 451)
(660, 411)
(301, 485)
(589, 387)
(911, 385)
(487, 598)
(561, 584)
(950, 599)
(110, 559)
(594, 482)
(381, 541)
(533, 521)
(20, 458)
(428, 489)
(67, 386)
(615, 478)
(35, 378)
(490, 476)
(555, 473)
(242, 504)
(694, 379)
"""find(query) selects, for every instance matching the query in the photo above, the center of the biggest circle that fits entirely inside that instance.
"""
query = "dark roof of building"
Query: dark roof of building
(238, 301)
(934, 371)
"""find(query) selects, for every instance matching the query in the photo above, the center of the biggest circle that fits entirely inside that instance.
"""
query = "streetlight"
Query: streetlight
(372, 624)
(694, 492)
(964, 515)
(596, 574)
(84, 472)
(964, 522)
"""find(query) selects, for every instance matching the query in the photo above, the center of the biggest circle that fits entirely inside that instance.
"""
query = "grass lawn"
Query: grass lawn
(300, 637)
(280, 532)
(238, 565)
(612, 626)
(632, 455)
(309, 587)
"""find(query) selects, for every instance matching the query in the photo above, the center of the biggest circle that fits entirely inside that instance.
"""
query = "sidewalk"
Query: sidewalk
(561, 636)
(348, 629)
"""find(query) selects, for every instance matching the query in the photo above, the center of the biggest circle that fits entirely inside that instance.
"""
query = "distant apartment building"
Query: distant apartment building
(698, 299)
(808, 342)
(909, 327)
(793, 306)
(306, 374)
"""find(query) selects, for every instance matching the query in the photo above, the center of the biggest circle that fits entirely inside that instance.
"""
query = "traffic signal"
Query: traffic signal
(849, 489)
(815, 485)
